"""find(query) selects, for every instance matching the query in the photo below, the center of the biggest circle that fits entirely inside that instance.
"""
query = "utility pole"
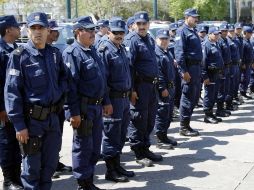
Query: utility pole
(232, 4)
(68, 9)
(155, 9)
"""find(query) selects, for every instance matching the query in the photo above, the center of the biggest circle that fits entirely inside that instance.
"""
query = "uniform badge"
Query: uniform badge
(165, 32)
(68, 64)
(127, 48)
(37, 17)
(141, 16)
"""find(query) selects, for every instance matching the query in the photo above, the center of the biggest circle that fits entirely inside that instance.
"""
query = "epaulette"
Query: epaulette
(102, 48)
(18, 51)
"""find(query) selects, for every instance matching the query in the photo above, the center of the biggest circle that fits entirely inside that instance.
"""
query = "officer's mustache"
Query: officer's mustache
(119, 38)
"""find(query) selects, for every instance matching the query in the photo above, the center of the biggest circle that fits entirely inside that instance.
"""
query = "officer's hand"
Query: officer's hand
(252, 65)
(165, 93)
(206, 81)
(134, 98)
(22, 136)
(108, 110)
(3, 117)
(75, 121)
(186, 76)
(243, 66)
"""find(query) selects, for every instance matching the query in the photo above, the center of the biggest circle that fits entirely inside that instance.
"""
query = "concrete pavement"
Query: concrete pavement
(222, 158)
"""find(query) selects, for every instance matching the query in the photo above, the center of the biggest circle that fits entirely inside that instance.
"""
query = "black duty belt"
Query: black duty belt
(227, 65)
(170, 84)
(118, 94)
(214, 70)
(94, 101)
(192, 62)
(41, 112)
(152, 80)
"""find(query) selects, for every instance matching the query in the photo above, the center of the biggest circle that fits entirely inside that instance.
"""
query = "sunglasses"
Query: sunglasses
(118, 33)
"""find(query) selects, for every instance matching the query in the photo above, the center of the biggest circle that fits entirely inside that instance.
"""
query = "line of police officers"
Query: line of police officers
(121, 83)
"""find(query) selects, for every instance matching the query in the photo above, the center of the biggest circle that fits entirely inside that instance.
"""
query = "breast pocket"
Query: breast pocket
(36, 77)
(90, 69)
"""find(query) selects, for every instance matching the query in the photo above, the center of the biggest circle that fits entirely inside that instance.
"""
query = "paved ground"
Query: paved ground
(222, 158)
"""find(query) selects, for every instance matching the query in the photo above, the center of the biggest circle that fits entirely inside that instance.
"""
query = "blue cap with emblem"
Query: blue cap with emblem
(173, 26)
(39, 18)
(247, 29)
(162, 33)
(223, 27)
(180, 22)
(231, 27)
(130, 21)
(141, 16)
(53, 25)
(84, 22)
(201, 28)
(238, 25)
(213, 30)
(117, 25)
(191, 12)
(8, 20)
(102, 23)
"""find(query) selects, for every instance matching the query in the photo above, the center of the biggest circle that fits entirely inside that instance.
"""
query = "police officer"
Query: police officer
(251, 85)
(144, 68)
(212, 67)
(103, 30)
(53, 37)
(166, 90)
(10, 157)
(84, 101)
(118, 80)
(235, 57)
(35, 84)
(239, 38)
(202, 32)
(188, 54)
(247, 61)
(224, 85)
(130, 24)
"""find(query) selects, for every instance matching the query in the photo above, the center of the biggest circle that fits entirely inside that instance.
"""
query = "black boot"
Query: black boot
(112, 174)
(221, 112)
(186, 130)
(246, 96)
(17, 174)
(140, 158)
(151, 156)
(9, 179)
(120, 169)
(209, 118)
(230, 106)
(162, 138)
(87, 184)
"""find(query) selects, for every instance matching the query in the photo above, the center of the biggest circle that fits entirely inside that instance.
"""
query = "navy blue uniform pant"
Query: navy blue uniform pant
(164, 112)
(86, 150)
(115, 133)
(190, 93)
(143, 116)
(227, 95)
(9, 148)
(210, 95)
(245, 79)
(252, 80)
(39, 168)
(234, 80)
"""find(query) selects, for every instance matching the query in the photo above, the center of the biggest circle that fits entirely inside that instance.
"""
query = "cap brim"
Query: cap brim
(216, 33)
(141, 20)
(37, 23)
(89, 26)
(192, 15)
(162, 36)
(115, 29)
(56, 28)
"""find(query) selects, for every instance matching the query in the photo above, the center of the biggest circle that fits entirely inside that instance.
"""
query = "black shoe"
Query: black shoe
(217, 118)
(11, 186)
(113, 175)
(188, 132)
(162, 138)
(87, 184)
(165, 146)
(231, 107)
(246, 96)
(63, 168)
(210, 119)
(222, 113)
(120, 169)
(145, 162)
(151, 156)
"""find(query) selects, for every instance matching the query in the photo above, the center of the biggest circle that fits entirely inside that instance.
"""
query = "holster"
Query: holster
(33, 146)
(85, 128)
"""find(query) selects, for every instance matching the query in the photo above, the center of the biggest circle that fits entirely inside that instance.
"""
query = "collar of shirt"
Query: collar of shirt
(82, 47)
(6, 45)
(32, 49)
(114, 46)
